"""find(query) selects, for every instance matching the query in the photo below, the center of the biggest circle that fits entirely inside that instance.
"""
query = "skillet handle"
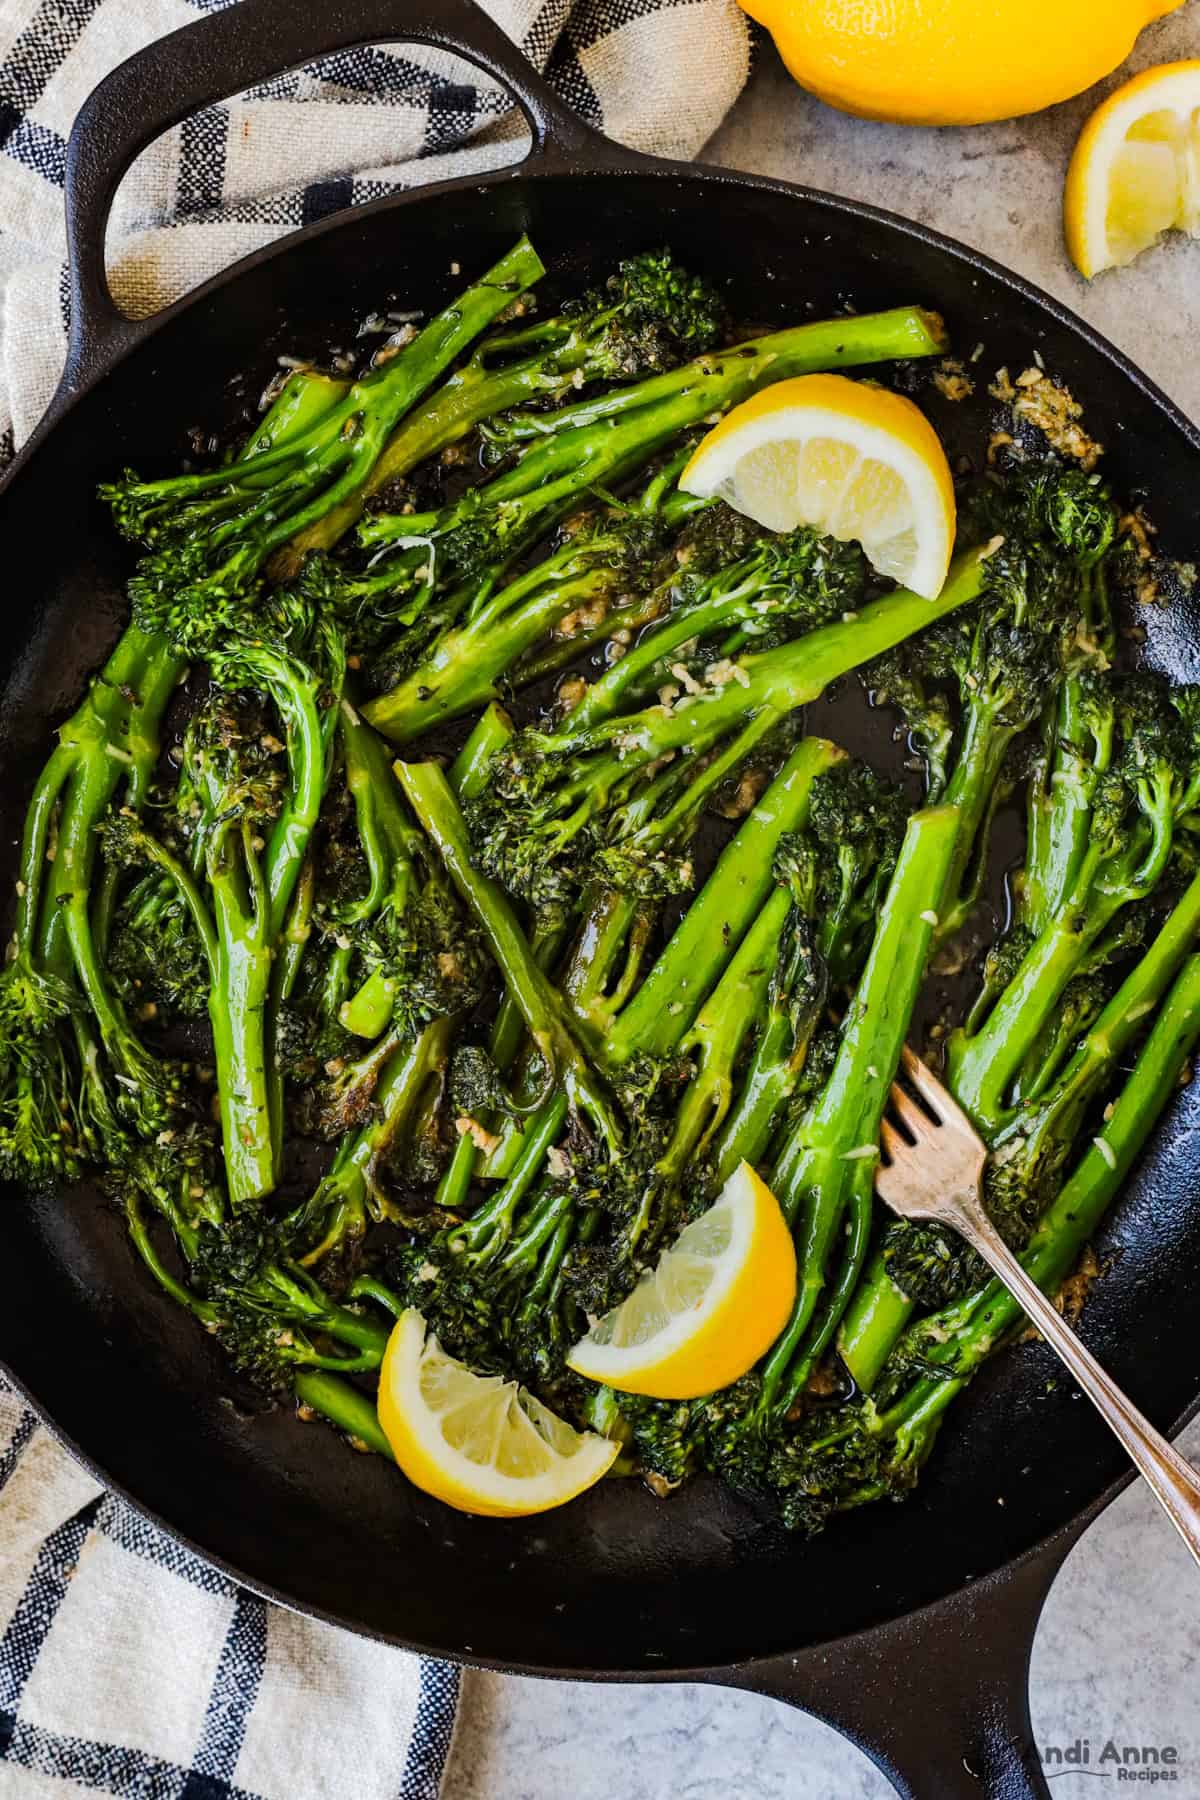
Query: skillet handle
(236, 48)
(938, 1700)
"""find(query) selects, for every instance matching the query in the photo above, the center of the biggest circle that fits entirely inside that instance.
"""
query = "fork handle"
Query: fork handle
(1172, 1481)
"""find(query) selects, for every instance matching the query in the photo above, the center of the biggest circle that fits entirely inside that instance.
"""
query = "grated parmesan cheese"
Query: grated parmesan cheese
(1106, 1150)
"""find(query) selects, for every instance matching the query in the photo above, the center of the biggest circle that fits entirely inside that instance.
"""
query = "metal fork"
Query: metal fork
(934, 1167)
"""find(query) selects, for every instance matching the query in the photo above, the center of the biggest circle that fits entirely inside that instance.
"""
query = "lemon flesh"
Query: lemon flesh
(1135, 172)
(713, 1305)
(477, 1442)
(846, 457)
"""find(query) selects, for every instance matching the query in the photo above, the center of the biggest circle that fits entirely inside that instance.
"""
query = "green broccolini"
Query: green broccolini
(647, 316)
(480, 1031)
(1006, 1063)
(601, 559)
(868, 1450)
(210, 534)
(599, 792)
(454, 555)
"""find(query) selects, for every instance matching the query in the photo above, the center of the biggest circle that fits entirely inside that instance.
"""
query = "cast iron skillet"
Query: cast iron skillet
(908, 1627)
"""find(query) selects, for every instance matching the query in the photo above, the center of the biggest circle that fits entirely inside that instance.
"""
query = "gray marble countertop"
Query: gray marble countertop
(1118, 1650)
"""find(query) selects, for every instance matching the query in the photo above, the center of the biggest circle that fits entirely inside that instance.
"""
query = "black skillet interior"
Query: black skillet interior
(617, 1582)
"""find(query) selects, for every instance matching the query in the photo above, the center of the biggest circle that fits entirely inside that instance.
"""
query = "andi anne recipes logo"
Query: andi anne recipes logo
(1111, 1759)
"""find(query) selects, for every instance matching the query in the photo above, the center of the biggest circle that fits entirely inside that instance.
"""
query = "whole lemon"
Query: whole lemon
(951, 62)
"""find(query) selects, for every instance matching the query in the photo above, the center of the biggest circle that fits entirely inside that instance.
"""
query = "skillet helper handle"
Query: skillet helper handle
(939, 1699)
(234, 49)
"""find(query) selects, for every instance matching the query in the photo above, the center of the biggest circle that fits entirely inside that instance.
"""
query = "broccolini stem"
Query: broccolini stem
(507, 1036)
(560, 651)
(982, 1067)
(644, 665)
(295, 691)
(860, 1215)
(114, 732)
(1058, 814)
(546, 1283)
(469, 770)
(769, 1078)
(84, 805)
(1059, 1109)
(817, 1170)
(237, 1009)
(718, 1033)
(346, 1365)
(384, 832)
(369, 1287)
(110, 738)
(285, 970)
(1037, 879)
(984, 747)
(388, 839)
(344, 1406)
(365, 1333)
(144, 694)
(456, 1179)
(551, 1210)
(661, 495)
(792, 675)
(293, 1294)
(874, 1319)
(675, 825)
(614, 933)
(140, 1233)
(297, 931)
(466, 665)
(367, 1012)
(307, 397)
(336, 981)
(545, 1015)
(350, 1190)
(721, 913)
(488, 1230)
(35, 839)
(718, 381)
(775, 1066)
(1076, 749)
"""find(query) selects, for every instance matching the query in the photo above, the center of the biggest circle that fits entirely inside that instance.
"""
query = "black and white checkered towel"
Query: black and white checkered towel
(656, 74)
(127, 1666)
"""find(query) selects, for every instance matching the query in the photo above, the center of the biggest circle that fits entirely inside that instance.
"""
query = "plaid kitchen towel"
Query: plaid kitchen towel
(127, 1666)
(656, 74)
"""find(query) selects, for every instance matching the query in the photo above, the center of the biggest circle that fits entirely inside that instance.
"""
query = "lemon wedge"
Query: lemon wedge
(478, 1442)
(849, 458)
(715, 1303)
(1135, 172)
